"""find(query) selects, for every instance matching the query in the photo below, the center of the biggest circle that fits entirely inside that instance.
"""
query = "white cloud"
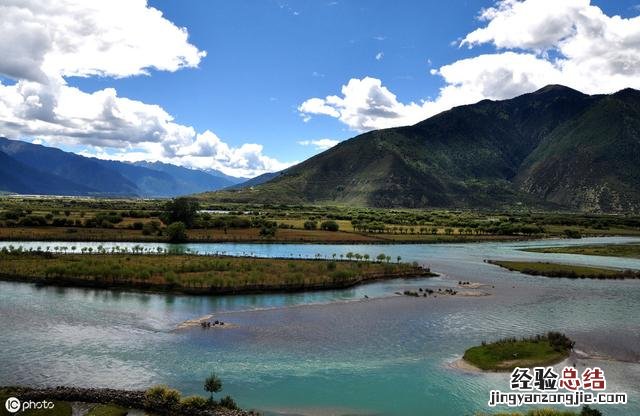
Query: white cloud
(365, 104)
(44, 42)
(539, 42)
(43, 39)
(321, 144)
(379, 56)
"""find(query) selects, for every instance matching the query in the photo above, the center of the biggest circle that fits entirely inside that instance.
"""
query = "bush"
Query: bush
(572, 234)
(191, 403)
(310, 225)
(177, 232)
(330, 225)
(228, 402)
(268, 231)
(161, 397)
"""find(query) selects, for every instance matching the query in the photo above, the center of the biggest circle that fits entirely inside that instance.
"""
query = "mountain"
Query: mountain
(189, 181)
(19, 178)
(232, 179)
(554, 148)
(73, 168)
(36, 169)
(258, 180)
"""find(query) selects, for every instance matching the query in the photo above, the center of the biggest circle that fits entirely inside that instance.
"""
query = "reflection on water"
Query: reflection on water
(327, 352)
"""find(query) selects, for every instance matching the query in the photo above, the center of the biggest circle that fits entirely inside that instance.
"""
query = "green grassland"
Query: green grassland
(509, 353)
(185, 273)
(565, 270)
(86, 219)
(611, 250)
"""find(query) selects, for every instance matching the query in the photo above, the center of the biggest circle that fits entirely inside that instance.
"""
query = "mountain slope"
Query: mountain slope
(28, 167)
(489, 154)
(191, 181)
(70, 166)
(258, 180)
(19, 178)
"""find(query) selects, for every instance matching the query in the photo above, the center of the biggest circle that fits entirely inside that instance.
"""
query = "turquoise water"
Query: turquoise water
(325, 353)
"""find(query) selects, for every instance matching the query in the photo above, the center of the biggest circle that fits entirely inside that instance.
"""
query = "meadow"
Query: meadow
(197, 274)
(566, 270)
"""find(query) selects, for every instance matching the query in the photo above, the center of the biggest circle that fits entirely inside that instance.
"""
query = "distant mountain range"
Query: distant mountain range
(554, 148)
(27, 168)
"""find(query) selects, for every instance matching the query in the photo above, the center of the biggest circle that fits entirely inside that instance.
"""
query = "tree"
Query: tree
(381, 257)
(329, 225)
(267, 231)
(212, 385)
(177, 232)
(183, 210)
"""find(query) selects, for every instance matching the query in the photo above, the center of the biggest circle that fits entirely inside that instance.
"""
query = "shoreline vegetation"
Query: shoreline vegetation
(198, 274)
(609, 250)
(188, 219)
(155, 401)
(569, 271)
(509, 353)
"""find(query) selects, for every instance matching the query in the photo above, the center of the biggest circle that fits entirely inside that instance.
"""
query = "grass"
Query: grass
(611, 250)
(565, 270)
(194, 274)
(509, 353)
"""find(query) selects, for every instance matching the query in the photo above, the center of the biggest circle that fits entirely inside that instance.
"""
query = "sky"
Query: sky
(248, 87)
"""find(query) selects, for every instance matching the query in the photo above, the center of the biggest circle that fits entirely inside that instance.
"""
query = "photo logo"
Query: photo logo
(12, 405)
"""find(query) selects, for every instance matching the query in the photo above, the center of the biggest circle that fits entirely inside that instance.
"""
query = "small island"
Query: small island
(509, 353)
(196, 274)
(609, 250)
(570, 271)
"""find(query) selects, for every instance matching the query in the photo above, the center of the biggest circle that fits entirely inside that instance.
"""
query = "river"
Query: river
(330, 352)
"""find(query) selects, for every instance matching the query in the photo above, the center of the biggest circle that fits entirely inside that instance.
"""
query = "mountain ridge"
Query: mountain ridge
(539, 149)
(37, 169)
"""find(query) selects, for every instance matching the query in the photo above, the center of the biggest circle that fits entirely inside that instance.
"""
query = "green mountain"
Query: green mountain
(555, 147)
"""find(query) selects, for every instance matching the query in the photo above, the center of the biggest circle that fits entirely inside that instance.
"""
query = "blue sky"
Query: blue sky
(265, 59)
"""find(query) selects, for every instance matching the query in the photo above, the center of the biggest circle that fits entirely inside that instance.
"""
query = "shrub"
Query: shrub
(191, 403)
(572, 234)
(310, 225)
(177, 232)
(228, 402)
(161, 397)
(329, 225)
(268, 231)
